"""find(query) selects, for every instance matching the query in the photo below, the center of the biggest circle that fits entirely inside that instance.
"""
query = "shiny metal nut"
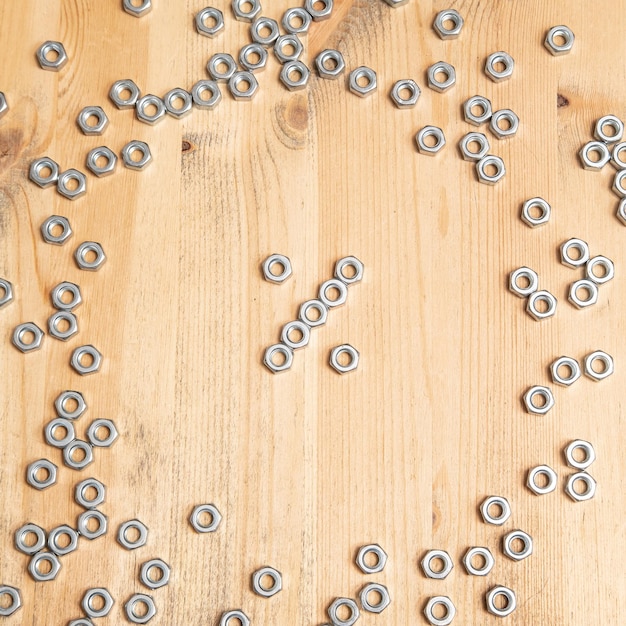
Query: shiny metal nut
(29, 539)
(234, 618)
(124, 93)
(265, 31)
(340, 606)
(430, 140)
(288, 48)
(609, 129)
(137, 8)
(440, 25)
(92, 120)
(536, 212)
(381, 591)
(506, 117)
(336, 355)
(243, 85)
(330, 64)
(195, 519)
(574, 253)
(349, 270)
(85, 529)
(497, 502)
(27, 337)
(405, 93)
(54, 543)
(467, 144)
(435, 71)
(313, 313)
(499, 66)
(147, 573)
(59, 319)
(96, 438)
(477, 110)
(621, 211)
(587, 480)
(363, 81)
(572, 371)
(594, 155)
(619, 184)
(92, 364)
(559, 40)
(607, 269)
(52, 56)
(321, 13)
(296, 20)
(538, 400)
(52, 436)
(333, 293)
(82, 493)
(4, 107)
(263, 590)
(618, 156)
(15, 600)
(380, 559)
(285, 358)
(178, 102)
(150, 109)
(6, 292)
(295, 335)
(44, 172)
(40, 574)
(490, 169)
(76, 399)
(206, 94)
(541, 305)
(246, 10)
(105, 598)
(101, 161)
(138, 528)
(449, 611)
(550, 480)
(209, 22)
(90, 256)
(143, 616)
(437, 555)
(85, 457)
(134, 149)
(253, 57)
(72, 184)
(589, 454)
(487, 561)
(58, 295)
(589, 291)
(606, 362)
(277, 268)
(221, 67)
(508, 545)
(509, 597)
(295, 75)
(523, 281)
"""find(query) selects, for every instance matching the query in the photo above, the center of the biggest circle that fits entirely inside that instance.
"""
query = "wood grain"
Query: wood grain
(309, 465)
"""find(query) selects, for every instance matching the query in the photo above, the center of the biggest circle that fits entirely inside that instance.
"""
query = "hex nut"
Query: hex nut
(62, 531)
(150, 581)
(38, 166)
(581, 256)
(221, 67)
(349, 262)
(150, 109)
(82, 489)
(216, 19)
(175, 96)
(441, 67)
(621, 211)
(343, 603)
(51, 224)
(49, 557)
(487, 557)
(22, 331)
(50, 432)
(135, 10)
(88, 606)
(246, 15)
(4, 107)
(619, 184)
(207, 86)
(424, 137)
(70, 450)
(484, 104)
(405, 93)
(264, 591)
(214, 514)
(120, 87)
(16, 600)
(449, 15)
(282, 44)
(618, 156)
(135, 525)
(335, 358)
(253, 57)
(83, 255)
(333, 293)
(98, 441)
(517, 535)
(569, 364)
(548, 473)
(532, 219)
(65, 317)
(492, 63)
(60, 404)
(508, 594)
(319, 14)
(378, 565)
(277, 261)
(330, 64)
(95, 155)
(294, 75)
(85, 124)
(589, 454)
(587, 286)
(605, 359)
(302, 334)
(544, 298)
(131, 149)
(270, 354)
(238, 616)
(57, 296)
(471, 139)
(359, 75)
(148, 603)
(72, 184)
(497, 501)
(6, 292)
(605, 264)
(555, 47)
(601, 152)
(381, 591)
(259, 26)
(509, 118)
(243, 85)
(83, 524)
(450, 611)
(29, 548)
(59, 56)
(77, 360)
(440, 555)
(296, 20)
(527, 288)
(317, 305)
(531, 396)
(590, 487)
(615, 124)
(490, 161)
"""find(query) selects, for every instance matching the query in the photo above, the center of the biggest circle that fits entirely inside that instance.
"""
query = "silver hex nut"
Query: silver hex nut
(263, 590)
(72, 184)
(56, 230)
(97, 611)
(607, 366)
(54, 566)
(137, 9)
(101, 161)
(405, 93)
(509, 548)
(23, 332)
(394, 4)
(559, 40)
(538, 400)
(499, 66)
(541, 305)
(586, 287)
(6, 292)
(92, 120)
(295, 75)
(277, 262)
(443, 18)
(288, 48)
(566, 364)
(15, 600)
(150, 109)
(243, 85)
(319, 14)
(178, 102)
(441, 68)
(474, 146)
(149, 580)
(133, 148)
(44, 172)
(52, 56)
(209, 22)
(94, 360)
(430, 140)
(363, 81)
(483, 113)
(205, 509)
(246, 10)
(484, 167)
(587, 480)
(95, 437)
(49, 477)
(336, 355)
(536, 212)
(124, 93)
(330, 64)
(594, 155)
(285, 358)
(62, 325)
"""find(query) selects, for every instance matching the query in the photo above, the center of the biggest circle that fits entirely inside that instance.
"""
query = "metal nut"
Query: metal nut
(572, 371)
(302, 335)
(90, 256)
(44, 172)
(619, 184)
(482, 104)
(264, 591)
(594, 155)
(330, 64)
(405, 93)
(209, 22)
(51, 436)
(98, 154)
(72, 184)
(277, 262)
(6, 292)
(441, 68)
(150, 109)
(94, 360)
(137, 527)
(178, 102)
(296, 20)
(209, 87)
(615, 130)
(618, 156)
(510, 601)
(265, 31)
(449, 611)
(246, 10)
(441, 21)
(574, 253)
(341, 605)
(96, 439)
(380, 559)
(550, 477)
(470, 140)
(484, 167)
(538, 400)
(15, 600)
(606, 361)
(89, 127)
(586, 287)
(509, 117)
(253, 57)
(430, 140)
(84, 527)
(498, 502)
(606, 267)
(588, 452)
(34, 566)
(59, 301)
(541, 305)
(295, 75)
(65, 318)
(29, 547)
(313, 320)
(131, 149)
(536, 212)
(137, 9)
(221, 67)
(88, 602)
(238, 617)
(52, 56)
(333, 293)
(143, 617)
(492, 66)
(82, 491)
(25, 331)
(508, 545)
(205, 509)
(288, 48)
(587, 480)
(85, 454)
(75, 397)
(378, 589)
(523, 282)
(336, 355)
(437, 555)
(62, 531)
(147, 577)
(363, 81)
(319, 14)
(349, 270)
(124, 93)
(269, 358)
(621, 211)
(559, 40)
(243, 85)
(482, 553)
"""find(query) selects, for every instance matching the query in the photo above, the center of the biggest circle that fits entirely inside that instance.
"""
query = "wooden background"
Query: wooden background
(309, 465)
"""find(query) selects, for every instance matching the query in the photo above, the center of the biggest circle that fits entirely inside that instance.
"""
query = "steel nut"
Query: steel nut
(83, 497)
(89, 256)
(24, 332)
(92, 120)
(580, 496)
(607, 366)
(586, 287)
(82, 621)
(264, 31)
(499, 66)
(362, 81)
(379, 590)
(66, 548)
(285, 358)
(211, 89)
(523, 282)
(34, 566)
(178, 102)
(538, 400)
(95, 437)
(277, 262)
(319, 13)
(430, 140)
(56, 230)
(536, 212)
(94, 158)
(44, 172)
(288, 48)
(29, 539)
(541, 305)
(148, 611)
(52, 56)
(343, 605)
(62, 325)
(243, 85)
(132, 543)
(131, 150)
(380, 559)
(85, 457)
(609, 129)
(443, 18)
(481, 553)
(209, 22)
(124, 93)
(594, 155)
(490, 169)
(498, 502)
(549, 476)
(441, 68)
(90, 607)
(559, 40)
(509, 548)
(137, 9)
(606, 266)
(246, 10)
(205, 509)
(437, 555)
(572, 371)
(405, 93)
(150, 109)
(484, 107)
(621, 211)
(4, 107)
(234, 617)
(318, 318)
(330, 64)
(94, 360)
(295, 75)
(471, 140)
(15, 600)
(580, 463)
(221, 67)
(574, 253)
(49, 476)
(510, 601)
(6, 292)
(59, 301)
(296, 20)
(84, 527)
(262, 590)
(336, 355)
(72, 184)
(253, 57)
(619, 184)
(449, 611)
(149, 580)
(511, 123)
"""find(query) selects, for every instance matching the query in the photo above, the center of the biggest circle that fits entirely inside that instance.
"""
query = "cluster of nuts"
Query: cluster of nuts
(524, 283)
(312, 314)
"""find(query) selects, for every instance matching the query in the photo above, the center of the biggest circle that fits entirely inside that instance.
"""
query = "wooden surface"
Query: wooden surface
(309, 465)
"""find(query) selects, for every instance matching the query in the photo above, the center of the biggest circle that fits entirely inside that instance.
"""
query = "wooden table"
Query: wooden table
(309, 465)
